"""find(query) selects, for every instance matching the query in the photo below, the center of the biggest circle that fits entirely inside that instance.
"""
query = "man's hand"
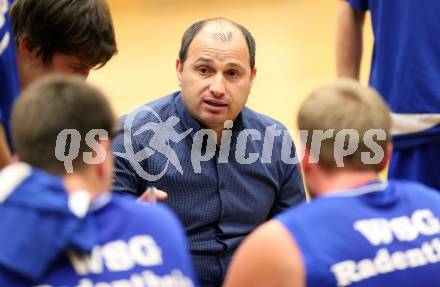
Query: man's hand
(152, 195)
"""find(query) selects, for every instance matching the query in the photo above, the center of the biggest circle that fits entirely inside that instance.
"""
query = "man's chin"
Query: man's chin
(213, 121)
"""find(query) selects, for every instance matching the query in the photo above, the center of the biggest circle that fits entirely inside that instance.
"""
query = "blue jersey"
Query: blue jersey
(374, 235)
(129, 244)
(405, 65)
(9, 82)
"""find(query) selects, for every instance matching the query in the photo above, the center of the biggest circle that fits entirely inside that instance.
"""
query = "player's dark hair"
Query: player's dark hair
(51, 105)
(82, 28)
(195, 28)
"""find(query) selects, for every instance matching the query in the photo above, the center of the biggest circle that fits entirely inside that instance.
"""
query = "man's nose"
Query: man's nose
(217, 86)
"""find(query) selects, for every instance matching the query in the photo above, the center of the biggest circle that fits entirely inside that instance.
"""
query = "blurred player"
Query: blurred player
(63, 36)
(357, 231)
(9, 83)
(405, 69)
(71, 231)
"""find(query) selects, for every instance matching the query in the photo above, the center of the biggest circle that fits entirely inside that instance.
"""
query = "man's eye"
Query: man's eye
(203, 70)
(233, 73)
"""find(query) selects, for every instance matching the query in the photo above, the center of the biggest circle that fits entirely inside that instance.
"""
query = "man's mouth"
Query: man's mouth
(215, 104)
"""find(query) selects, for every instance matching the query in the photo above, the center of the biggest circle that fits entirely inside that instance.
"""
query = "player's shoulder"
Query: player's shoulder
(297, 214)
(312, 213)
(415, 191)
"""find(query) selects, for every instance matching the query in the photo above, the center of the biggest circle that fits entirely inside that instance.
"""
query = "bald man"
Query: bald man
(220, 162)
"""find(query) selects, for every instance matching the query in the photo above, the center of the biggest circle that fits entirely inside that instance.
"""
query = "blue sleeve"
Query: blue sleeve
(362, 5)
(9, 81)
(291, 191)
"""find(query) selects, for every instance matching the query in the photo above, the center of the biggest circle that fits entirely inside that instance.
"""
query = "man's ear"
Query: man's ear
(179, 69)
(305, 162)
(103, 168)
(253, 74)
(27, 55)
(23, 47)
(386, 156)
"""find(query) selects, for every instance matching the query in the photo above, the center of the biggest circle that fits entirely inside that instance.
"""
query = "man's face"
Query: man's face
(216, 77)
(31, 66)
(68, 64)
(61, 63)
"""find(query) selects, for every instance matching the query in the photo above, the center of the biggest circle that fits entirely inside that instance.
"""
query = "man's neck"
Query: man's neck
(218, 132)
(80, 182)
(346, 179)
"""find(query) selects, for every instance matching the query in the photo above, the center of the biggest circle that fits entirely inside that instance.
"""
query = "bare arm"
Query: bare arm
(269, 257)
(349, 41)
(5, 155)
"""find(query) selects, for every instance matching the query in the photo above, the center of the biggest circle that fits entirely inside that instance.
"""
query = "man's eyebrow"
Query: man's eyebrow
(205, 60)
(210, 61)
(236, 65)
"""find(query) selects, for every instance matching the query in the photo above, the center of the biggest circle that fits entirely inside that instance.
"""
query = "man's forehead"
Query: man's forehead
(220, 30)
(219, 41)
(224, 37)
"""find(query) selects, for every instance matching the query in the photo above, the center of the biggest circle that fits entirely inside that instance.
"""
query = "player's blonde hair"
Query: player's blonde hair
(341, 105)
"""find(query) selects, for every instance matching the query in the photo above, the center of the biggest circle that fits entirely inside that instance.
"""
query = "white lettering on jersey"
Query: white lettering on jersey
(377, 231)
(404, 228)
(118, 255)
(349, 271)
